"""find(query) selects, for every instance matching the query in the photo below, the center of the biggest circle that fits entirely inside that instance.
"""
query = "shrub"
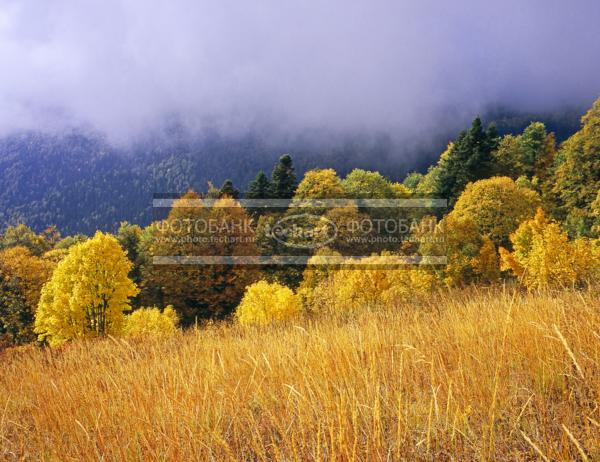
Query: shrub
(265, 302)
(543, 256)
(377, 282)
(151, 322)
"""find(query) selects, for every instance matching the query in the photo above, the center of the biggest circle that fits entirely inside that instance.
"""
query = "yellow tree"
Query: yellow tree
(88, 292)
(26, 274)
(496, 206)
(459, 241)
(197, 233)
(544, 257)
(29, 270)
(374, 280)
(320, 184)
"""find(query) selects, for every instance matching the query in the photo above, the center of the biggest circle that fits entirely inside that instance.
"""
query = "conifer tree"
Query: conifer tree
(469, 159)
(260, 187)
(283, 179)
(228, 190)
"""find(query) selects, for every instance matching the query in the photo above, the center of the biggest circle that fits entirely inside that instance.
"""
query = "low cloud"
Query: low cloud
(124, 67)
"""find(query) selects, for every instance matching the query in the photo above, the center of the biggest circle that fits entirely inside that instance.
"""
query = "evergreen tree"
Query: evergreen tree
(260, 187)
(283, 178)
(227, 189)
(469, 159)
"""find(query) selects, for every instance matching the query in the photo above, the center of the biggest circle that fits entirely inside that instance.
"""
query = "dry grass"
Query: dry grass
(471, 375)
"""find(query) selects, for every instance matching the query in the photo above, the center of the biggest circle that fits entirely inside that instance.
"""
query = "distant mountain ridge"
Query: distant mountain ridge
(80, 182)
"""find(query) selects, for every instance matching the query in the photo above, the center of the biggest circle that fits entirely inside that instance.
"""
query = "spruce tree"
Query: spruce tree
(227, 189)
(469, 159)
(283, 179)
(260, 187)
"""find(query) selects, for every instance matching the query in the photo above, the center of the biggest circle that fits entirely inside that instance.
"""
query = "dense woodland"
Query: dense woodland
(522, 208)
(81, 182)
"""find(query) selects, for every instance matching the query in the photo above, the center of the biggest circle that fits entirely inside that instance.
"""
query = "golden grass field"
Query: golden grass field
(481, 374)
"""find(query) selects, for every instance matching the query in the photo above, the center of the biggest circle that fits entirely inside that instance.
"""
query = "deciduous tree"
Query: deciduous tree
(87, 293)
(496, 206)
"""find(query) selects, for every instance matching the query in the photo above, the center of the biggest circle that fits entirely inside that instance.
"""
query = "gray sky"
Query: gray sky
(123, 66)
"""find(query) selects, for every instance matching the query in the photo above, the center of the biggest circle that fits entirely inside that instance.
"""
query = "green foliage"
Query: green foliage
(228, 190)
(412, 180)
(283, 178)
(529, 158)
(68, 241)
(151, 322)
(260, 187)
(537, 150)
(16, 317)
(529, 154)
(577, 178)
(468, 159)
(362, 184)
(22, 235)
(129, 237)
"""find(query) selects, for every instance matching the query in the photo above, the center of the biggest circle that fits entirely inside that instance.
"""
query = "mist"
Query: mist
(128, 67)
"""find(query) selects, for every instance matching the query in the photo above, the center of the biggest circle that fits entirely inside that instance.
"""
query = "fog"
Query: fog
(127, 67)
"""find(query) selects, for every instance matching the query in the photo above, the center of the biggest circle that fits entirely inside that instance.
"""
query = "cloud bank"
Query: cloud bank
(125, 66)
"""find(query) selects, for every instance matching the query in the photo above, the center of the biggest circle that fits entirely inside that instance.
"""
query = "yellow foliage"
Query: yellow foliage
(265, 302)
(318, 268)
(496, 206)
(151, 322)
(544, 257)
(374, 281)
(487, 264)
(459, 240)
(87, 293)
(31, 271)
(320, 184)
(199, 228)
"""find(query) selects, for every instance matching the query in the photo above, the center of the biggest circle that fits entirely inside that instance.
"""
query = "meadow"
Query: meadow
(473, 374)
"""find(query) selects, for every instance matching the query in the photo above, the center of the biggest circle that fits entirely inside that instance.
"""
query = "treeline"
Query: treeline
(81, 182)
(519, 208)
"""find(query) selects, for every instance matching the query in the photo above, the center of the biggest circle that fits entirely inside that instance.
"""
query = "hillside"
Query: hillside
(80, 182)
(475, 374)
